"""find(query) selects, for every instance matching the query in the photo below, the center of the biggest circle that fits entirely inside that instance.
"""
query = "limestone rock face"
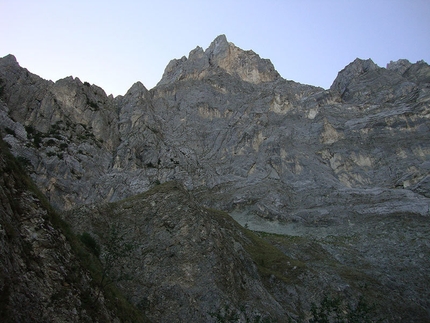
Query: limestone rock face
(190, 263)
(228, 136)
(66, 130)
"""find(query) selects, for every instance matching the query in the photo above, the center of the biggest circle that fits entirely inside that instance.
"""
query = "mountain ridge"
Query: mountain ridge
(88, 113)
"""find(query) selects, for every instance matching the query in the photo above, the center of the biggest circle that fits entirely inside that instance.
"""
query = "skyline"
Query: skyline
(114, 44)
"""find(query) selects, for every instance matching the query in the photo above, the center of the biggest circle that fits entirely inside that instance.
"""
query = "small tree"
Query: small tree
(90, 243)
(328, 311)
(334, 309)
(115, 249)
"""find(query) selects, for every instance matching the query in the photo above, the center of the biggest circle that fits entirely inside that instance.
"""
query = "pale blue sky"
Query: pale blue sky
(115, 43)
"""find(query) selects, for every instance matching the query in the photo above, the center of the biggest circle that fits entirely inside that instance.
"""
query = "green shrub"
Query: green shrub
(93, 105)
(2, 87)
(10, 131)
(51, 142)
(25, 162)
(36, 135)
(63, 146)
(90, 243)
(335, 309)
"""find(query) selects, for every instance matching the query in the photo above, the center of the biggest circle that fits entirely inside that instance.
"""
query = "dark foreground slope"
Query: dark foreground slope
(41, 277)
(188, 263)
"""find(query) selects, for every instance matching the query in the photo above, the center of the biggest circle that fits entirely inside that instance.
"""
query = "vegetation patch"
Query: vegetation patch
(268, 259)
(10, 131)
(90, 243)
(34, 135)
(2, 87)
(93, 105)
(229, 314)
(271, 261)
(336, 309)
(24, 162)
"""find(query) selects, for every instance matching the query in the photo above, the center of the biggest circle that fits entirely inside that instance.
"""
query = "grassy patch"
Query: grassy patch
(268, 259)
(271, 261)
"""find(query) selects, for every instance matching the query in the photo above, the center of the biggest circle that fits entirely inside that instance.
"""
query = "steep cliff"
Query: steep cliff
(230, 138)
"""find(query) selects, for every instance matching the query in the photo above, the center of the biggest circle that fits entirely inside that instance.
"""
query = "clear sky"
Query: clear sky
(115, 43)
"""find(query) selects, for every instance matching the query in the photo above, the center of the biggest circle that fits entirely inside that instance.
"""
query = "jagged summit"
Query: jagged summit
(221, 54)
(352, 70)
(365, 81)
(219, 47)
(137, 87)
(399, 66)
(8, 59)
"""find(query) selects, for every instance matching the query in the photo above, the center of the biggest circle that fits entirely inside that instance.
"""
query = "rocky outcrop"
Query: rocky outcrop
(227, 138)
(66, 130)
(224, 56)
(362, 81)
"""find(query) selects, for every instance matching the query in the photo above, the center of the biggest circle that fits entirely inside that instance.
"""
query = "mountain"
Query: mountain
(341, 175)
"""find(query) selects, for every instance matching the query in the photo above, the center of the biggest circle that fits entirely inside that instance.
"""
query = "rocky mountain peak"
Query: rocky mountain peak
(224, 55)
(364, 81)
(351, 71)
(220, 47)
(418, 72)
(8, 60)
(137, 89)
(399, 66)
